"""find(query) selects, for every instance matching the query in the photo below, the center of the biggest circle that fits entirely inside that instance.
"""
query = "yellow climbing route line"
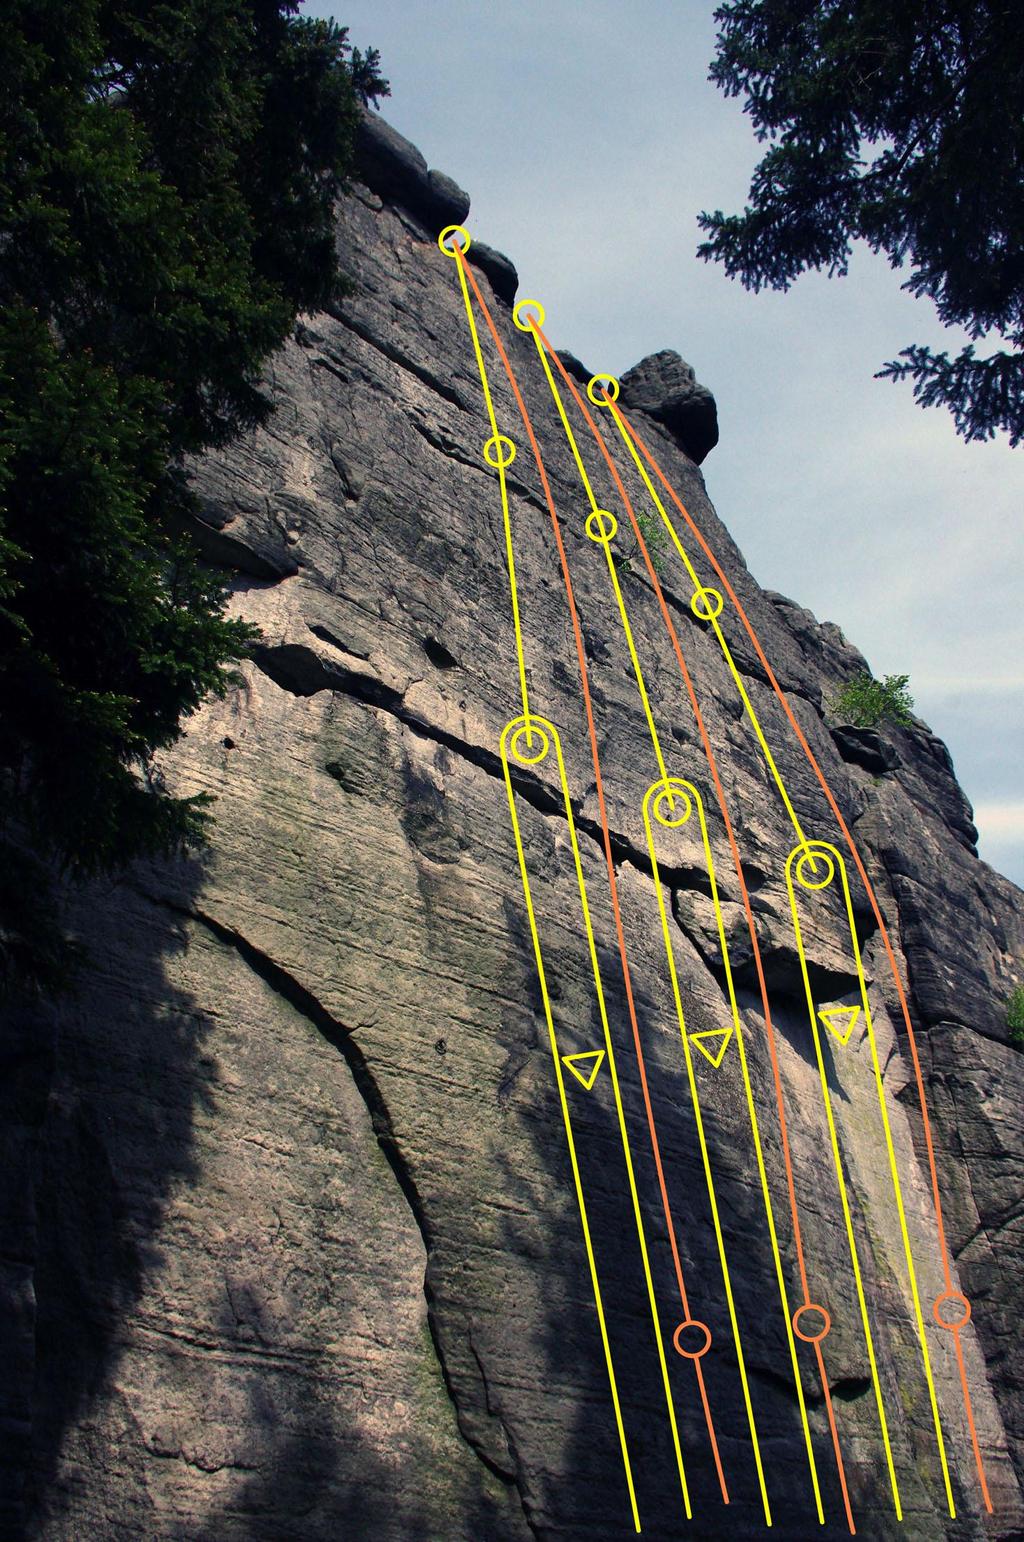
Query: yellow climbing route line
(665, 790)
(601, 526)
(600, 520)
(833, 857)
(800, 853)
(950, 1295)
(550, 730)
(523, 726)
(499, 463)
(708, 615)
(791, 1320)
(529, 727)
(692, 798)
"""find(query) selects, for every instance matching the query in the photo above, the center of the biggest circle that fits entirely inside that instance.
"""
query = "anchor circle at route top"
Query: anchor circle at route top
(809, 1333)
(696, 1330)
(961, 1301)
(706, 604)
(666, 800)
(611, 385)
(810, 860)
(505, 449)
(601, 526)
(463, 244)
(536, 316)
(528, 731)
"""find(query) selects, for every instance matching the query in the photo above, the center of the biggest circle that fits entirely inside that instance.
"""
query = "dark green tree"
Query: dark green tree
(900, 123)
(167, 179)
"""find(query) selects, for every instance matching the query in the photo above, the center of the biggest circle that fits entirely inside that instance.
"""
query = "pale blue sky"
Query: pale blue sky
(588, 137)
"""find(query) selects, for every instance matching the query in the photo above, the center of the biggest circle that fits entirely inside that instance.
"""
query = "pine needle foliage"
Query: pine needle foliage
(167, 179)
(1015, 1016)
(899, 123)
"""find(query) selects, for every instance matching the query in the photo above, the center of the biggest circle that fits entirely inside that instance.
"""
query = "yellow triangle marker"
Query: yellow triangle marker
(593, 1058)
(840, 1021)
(703, 1040)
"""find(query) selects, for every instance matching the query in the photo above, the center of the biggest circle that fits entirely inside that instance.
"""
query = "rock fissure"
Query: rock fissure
(231, 1141)
(452, 451)
(397, 356)
(298, 996)
(303, 672)
(494, 1410)
(990, 1229)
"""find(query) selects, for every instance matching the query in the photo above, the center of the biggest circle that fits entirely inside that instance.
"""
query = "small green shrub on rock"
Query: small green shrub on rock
(1015, 1016)
(866, 702)
(653, 534)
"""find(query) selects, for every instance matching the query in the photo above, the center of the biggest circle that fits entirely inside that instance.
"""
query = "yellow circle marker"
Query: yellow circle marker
(667, 799)
(454, 230)
(611, 386)
(529, 731)
(505, 449)
(810, 861)
(706, 604)
(601, 526)
(537, 315)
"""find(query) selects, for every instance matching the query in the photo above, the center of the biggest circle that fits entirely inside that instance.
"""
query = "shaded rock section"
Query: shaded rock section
(289, 1238)
(395, 170)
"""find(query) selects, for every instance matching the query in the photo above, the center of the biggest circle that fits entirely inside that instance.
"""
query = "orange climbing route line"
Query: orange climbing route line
(813, 1336)
(600, 527)
(954, 1329)
(830, 860)
(688, 1320)
(532, 727)
(808, 1302)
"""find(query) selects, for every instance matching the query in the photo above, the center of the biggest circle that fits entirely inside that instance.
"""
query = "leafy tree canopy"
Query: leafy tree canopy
(167, 178)
(866, 702)
(899, 122)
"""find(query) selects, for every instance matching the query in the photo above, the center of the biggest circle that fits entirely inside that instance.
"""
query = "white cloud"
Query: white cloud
(589, 141)
(1001, 818)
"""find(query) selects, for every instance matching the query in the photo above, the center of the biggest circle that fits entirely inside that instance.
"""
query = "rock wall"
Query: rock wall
(290, 1242)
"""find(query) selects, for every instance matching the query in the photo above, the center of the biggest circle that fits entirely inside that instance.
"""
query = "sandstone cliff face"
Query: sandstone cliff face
(291, 1241)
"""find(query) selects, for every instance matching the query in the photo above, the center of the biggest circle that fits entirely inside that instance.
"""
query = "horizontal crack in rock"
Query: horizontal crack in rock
(303, 672)
(397, 356)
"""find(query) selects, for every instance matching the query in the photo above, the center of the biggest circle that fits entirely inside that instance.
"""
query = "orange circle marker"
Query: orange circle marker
(814, 1335)
(609, 858)
(697, 1327)
(529, 731)
(809, 859)
(536, 315)
(633, 435)
(612, 388)
(965, 1309)
(601, 526)
(454, 230)
(712, 602)
(505, 448)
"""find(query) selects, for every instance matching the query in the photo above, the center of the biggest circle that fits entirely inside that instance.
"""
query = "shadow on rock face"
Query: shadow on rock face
(122, 1081)
(592, 1500)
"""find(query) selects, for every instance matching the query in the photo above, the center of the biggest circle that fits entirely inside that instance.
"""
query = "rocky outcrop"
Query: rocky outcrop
(665, 386)
(289, 1242)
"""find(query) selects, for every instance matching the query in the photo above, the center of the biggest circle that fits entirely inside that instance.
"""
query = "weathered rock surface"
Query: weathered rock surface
(665, 386)
(289, 1239)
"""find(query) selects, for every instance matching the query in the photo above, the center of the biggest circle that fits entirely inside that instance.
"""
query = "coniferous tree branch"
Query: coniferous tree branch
(168, 176)
(902, 125)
